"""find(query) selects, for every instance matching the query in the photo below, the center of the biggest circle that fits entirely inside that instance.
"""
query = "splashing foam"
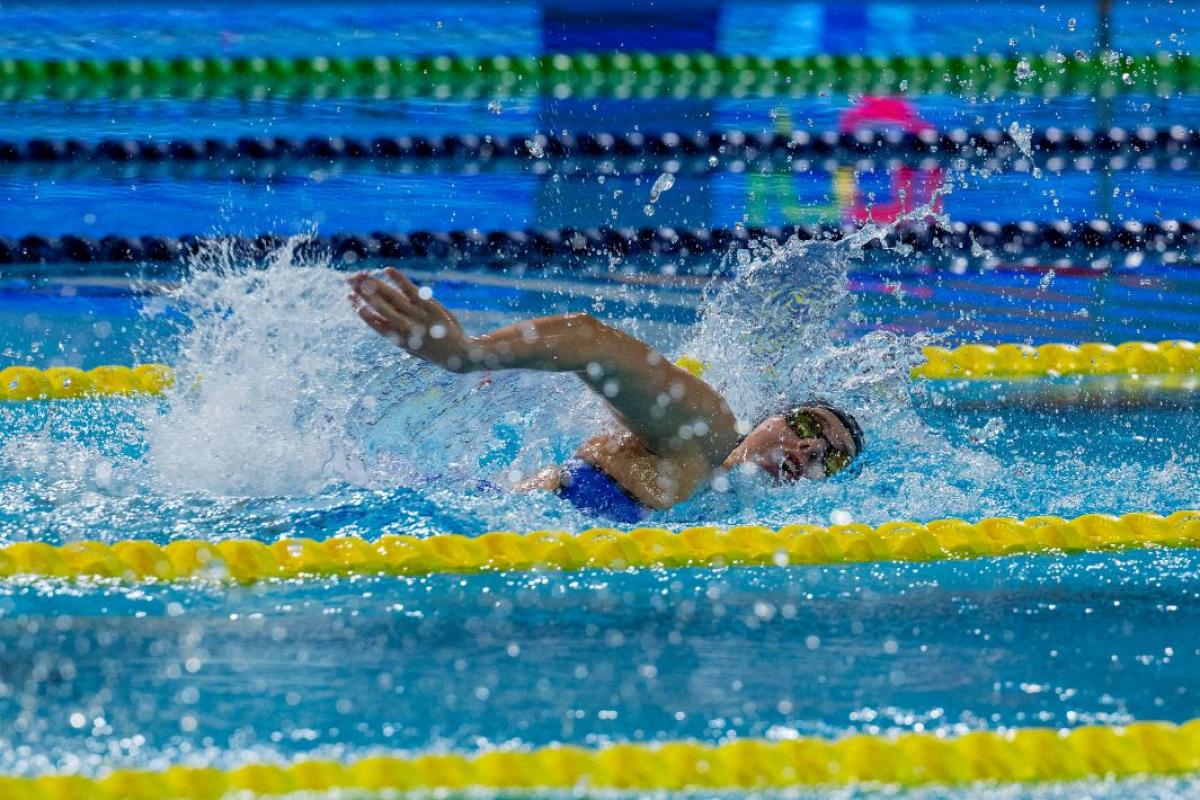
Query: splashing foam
(288, 401)
(263, 364)
(283, 391)
(286, 393)
(771, 338)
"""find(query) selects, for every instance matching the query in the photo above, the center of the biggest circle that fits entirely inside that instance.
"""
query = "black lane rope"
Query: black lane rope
(1028, 239)
(572, 168)
(955, 143)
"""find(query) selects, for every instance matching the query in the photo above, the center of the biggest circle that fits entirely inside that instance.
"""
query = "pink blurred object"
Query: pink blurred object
(910, 188)
(883, 112)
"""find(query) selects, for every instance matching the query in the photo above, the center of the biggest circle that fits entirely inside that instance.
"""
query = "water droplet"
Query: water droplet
(1023, 138)
(712, 161)
(495, 107)
(1023, 70)
(663, 184)
(648, 209)
(535, 149)
(1071, 24)
(904, 85)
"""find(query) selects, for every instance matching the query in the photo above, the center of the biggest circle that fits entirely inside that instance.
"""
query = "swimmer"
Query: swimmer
(674, 432)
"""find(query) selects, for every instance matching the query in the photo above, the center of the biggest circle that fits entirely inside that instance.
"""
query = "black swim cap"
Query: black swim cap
(846, 419)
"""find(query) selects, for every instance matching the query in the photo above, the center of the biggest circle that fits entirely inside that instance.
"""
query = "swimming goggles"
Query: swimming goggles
(807, 425)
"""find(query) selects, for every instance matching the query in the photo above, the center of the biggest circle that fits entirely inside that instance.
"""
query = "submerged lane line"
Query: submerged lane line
(911, 759)
(249, 560)
(1137, 360)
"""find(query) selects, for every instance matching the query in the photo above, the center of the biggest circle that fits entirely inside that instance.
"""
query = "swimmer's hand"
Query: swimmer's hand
(409, 316)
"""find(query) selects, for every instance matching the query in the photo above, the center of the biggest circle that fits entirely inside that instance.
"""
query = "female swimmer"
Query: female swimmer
(674, 430)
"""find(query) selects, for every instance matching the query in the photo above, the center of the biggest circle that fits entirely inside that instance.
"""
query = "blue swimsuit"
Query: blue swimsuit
(590, 490)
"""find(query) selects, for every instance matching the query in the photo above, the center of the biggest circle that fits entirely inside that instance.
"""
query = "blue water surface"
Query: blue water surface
(289, 418)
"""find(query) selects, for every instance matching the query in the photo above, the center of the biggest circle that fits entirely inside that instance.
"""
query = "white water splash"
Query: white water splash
(1022, 137)
(260, 406)
(281, 390)
(663, 183)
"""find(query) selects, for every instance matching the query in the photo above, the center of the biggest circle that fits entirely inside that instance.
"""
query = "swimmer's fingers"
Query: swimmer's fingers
(394, 295)
(400, 279)
(387, 299)
(369, 315)
(396, 320)
(422, 308)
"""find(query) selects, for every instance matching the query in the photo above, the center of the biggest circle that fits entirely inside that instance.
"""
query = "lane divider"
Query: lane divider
(620, 73)
(249, 560)
(909, 759)
(57, 383)
(1172, 357)
(1016, 361)
(1165, 239)
(952, 144)
(576, 166)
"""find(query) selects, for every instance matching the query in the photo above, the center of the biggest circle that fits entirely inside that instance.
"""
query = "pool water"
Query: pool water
(290, 419)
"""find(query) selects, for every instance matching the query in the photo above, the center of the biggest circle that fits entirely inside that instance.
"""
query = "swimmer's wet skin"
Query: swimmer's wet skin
(674, 430)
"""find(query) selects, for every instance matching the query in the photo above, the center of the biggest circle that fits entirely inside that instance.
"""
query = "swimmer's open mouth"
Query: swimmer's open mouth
(790, 469)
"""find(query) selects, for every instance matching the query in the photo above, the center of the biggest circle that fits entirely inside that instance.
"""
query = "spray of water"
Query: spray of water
(291, 417)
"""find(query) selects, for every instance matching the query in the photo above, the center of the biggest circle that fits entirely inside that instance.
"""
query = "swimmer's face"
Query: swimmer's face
(774, 447)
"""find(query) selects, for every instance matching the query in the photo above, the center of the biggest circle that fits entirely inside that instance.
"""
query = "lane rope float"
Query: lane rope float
(910, 759)
(1175, 141)
(615, 73)
(1172, 357)
(57, 383)
(249, 560)
(577, 167)
(1016, 361)
(1170, 240)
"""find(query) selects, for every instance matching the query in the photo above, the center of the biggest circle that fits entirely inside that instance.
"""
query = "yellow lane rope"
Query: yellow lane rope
(248, 560)
(1020, 755)
(970, 361)
(1175, 358)
(1009, 361)
(30, 383)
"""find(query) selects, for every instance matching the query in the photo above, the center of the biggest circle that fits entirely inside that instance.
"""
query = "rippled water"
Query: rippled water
(290, 417)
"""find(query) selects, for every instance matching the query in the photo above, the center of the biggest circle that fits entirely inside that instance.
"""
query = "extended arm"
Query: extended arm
(667, 408)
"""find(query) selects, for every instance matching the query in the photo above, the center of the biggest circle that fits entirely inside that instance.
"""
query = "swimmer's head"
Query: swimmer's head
(812, 441)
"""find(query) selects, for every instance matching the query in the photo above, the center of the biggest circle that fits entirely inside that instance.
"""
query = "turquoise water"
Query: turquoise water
(291, 419)
(278, 439)
(452, 662)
